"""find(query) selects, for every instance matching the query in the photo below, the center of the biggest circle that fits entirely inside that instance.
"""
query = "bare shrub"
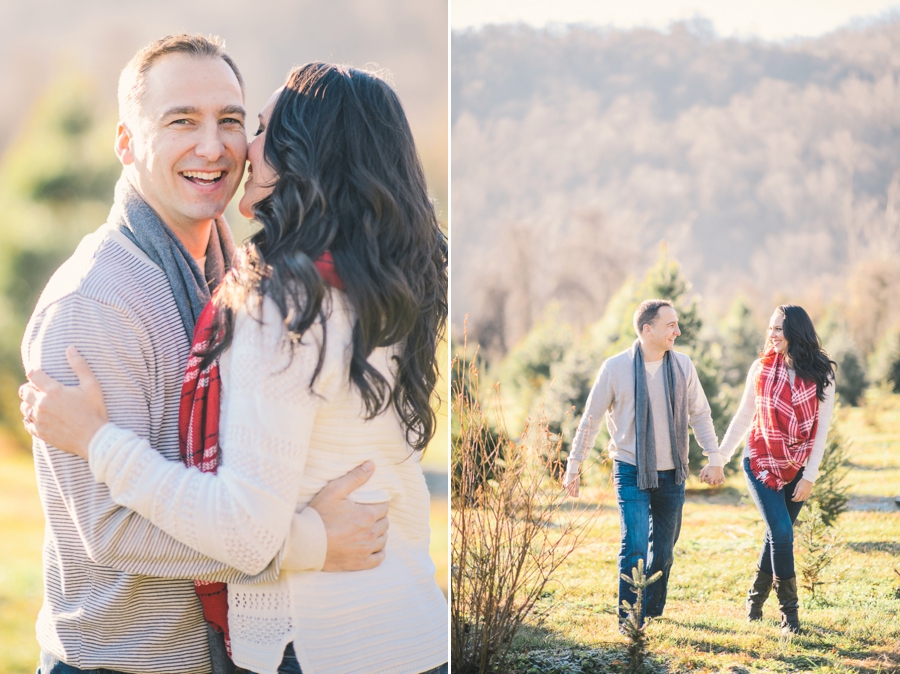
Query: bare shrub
(509, 530)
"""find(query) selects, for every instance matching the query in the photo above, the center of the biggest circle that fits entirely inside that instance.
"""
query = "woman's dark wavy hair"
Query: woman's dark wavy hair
(350, 181)
(805, 354)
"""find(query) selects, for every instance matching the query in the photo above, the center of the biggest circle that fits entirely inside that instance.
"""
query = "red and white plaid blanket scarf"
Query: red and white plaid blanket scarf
(785, 424)
(198, 431)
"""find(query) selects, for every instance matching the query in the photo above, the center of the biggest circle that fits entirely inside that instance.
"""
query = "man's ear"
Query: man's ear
(124, 144)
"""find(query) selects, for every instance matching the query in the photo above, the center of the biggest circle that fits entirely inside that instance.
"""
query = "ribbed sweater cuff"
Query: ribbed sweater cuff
(716, 459)
(307, 543)
(99, 448)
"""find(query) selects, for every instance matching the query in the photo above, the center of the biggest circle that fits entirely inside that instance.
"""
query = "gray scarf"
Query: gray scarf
(677, 412)
(191, 287)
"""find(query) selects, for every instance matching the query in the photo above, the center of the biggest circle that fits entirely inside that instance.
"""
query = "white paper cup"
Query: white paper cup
(369, 496)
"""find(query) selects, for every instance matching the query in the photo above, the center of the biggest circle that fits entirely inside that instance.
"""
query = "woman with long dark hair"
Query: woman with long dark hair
(786, 407)
(323, 339)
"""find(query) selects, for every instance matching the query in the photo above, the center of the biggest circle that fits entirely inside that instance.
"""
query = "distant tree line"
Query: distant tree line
(772, 171)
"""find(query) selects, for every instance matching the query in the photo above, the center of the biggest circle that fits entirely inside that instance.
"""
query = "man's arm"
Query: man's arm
(599, 400)
(116, 347)
(700, 414)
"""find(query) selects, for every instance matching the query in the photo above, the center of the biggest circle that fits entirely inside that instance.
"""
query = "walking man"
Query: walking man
(118, 592)
(649, 395)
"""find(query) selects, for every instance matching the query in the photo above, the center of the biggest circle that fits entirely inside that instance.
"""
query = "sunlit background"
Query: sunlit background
(758, 140)
(730, 156)
(59, 63)
(759, 19)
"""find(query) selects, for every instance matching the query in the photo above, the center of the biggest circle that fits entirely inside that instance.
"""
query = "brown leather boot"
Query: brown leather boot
(788, 602)
(759, 592)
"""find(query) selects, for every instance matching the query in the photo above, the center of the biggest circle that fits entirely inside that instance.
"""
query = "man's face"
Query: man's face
(189, 146)
(662, 332)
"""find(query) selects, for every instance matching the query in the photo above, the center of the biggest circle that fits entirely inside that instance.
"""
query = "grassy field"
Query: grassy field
(852, 627)
(22, 527)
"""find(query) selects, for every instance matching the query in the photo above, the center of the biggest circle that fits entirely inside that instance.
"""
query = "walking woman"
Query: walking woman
(324, 340)
(786, 407)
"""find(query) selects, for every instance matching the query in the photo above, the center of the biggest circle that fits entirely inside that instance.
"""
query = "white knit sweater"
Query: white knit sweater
(746, 413)
(281, 443)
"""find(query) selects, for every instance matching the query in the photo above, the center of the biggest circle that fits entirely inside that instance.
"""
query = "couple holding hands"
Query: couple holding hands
(650, 394)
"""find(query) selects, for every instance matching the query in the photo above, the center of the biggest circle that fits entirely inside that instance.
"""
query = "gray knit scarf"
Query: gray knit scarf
(677, 411)
(191, 287)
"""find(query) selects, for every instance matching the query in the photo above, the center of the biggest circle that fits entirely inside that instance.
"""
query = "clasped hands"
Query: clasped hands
(712, 475)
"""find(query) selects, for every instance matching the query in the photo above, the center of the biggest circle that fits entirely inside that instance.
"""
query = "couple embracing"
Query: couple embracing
(222, 436)
(649, 396)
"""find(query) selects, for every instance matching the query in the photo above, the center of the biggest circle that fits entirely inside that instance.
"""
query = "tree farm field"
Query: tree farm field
(853, 625)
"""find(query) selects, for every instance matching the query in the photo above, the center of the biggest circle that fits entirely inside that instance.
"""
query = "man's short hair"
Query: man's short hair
(647, 312)
(133, 80)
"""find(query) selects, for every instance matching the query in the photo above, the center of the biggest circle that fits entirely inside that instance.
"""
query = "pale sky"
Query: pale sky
(766, 19)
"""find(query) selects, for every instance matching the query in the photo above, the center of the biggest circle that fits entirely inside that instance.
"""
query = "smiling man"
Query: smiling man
(118, 592)
(649, 396)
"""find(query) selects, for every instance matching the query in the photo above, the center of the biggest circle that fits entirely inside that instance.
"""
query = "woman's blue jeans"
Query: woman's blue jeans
(650, 521)
(779, 513)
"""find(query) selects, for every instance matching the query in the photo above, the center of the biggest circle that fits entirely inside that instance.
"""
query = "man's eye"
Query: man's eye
(232, 120)
(181, 121)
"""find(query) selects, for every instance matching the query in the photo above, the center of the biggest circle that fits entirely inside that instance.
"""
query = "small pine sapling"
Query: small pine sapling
(820, 543)
(633, 627)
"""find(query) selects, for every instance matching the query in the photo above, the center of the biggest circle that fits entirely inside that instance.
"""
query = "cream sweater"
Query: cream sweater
(746, 413)
(281, 443)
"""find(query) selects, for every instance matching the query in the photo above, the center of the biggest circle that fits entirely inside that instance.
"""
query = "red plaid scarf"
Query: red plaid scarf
(785, 424)
(198, 430)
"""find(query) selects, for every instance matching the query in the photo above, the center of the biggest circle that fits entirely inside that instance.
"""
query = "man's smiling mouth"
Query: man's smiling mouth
(203, 177)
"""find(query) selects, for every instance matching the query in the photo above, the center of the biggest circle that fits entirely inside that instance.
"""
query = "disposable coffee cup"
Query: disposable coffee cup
(369, 496)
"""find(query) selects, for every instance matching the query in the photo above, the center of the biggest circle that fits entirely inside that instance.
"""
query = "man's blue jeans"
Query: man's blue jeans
(650, 521)
(779, 513)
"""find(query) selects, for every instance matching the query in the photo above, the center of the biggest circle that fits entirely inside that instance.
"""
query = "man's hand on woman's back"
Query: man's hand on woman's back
(357, 533)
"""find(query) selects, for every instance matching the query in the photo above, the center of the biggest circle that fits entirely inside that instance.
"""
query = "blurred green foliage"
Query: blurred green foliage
(885, 361)
(851, 379)
(56, 185)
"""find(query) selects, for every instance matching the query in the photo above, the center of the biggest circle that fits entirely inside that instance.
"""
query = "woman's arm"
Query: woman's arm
(742, 420)
(242, 514)
(112, 536)
(826, 409)
(599, 400)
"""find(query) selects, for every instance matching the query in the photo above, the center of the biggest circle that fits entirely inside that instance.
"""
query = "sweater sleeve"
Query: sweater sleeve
(242, 515)
(599, 400)
(826, 409)
(742, 420)
(700, 415)
(113, 343)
